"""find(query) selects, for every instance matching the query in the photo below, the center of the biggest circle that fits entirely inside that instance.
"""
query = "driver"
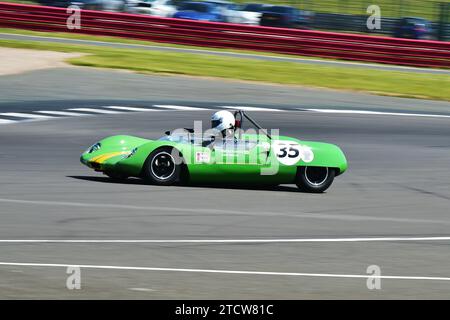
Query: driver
(223, 122)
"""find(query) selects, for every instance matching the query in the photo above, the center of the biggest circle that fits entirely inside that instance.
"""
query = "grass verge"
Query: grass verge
(393, 83)
(78, 36)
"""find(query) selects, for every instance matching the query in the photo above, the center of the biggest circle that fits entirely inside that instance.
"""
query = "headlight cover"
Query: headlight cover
(130, 154)
(94, 147)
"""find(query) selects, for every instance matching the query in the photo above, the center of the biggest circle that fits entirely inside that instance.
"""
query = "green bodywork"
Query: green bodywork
(254, 162)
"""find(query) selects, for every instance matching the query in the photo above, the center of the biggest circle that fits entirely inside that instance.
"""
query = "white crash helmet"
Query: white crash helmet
(222, 120)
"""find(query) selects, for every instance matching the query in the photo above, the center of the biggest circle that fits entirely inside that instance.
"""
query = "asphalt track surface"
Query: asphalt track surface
(262, 56)
(397, 186)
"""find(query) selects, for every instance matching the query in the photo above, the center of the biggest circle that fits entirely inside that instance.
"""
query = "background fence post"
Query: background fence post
(444, 8)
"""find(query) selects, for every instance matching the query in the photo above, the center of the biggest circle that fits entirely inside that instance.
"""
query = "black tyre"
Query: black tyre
(163, 166)
(314, 179)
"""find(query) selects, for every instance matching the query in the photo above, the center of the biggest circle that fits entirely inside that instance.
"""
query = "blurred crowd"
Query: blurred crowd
(250, 14)
(207, 10)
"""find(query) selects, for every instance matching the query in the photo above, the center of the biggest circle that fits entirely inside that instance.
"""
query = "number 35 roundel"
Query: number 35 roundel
(290, 152)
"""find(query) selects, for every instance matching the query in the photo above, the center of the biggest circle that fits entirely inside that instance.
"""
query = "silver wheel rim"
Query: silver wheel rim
(315, 182)
(165, 157)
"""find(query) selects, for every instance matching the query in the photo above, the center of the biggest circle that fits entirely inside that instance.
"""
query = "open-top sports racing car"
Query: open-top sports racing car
(252, 157)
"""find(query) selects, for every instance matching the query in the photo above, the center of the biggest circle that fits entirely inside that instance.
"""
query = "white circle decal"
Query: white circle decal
(290, 152)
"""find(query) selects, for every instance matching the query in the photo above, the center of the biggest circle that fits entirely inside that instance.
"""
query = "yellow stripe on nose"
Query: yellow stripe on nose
(104, 157)
(94, 159)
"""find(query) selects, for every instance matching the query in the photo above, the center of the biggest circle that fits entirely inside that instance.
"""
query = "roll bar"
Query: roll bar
(244, 115)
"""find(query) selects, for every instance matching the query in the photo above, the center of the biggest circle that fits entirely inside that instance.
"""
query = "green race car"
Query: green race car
(251, 157)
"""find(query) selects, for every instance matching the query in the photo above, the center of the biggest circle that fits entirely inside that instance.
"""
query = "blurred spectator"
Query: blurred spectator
(203, 11)
(285, 16)
(234, 13)
(413, 28)
(159, 8)
(103, 5)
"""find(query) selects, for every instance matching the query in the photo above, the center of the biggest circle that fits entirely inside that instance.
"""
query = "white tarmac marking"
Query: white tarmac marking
(4, 121)
(250, 108)
(377, 113)
(94, 110)
(141, 289)
(219, 271)
(63, 113)
(25, 115)
(79, 112)
(220, 241)
(196, 211)
(131, 109)
(179, 107)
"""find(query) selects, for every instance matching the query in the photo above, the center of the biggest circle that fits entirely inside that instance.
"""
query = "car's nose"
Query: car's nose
(84, 159)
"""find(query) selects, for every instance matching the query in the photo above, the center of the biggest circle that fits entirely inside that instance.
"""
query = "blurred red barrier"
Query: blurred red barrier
(420, 53)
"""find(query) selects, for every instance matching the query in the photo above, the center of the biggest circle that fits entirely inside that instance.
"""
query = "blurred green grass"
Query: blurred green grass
(381, 82)
(79, 36)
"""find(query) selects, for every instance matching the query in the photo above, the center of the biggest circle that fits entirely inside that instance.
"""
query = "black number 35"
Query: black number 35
(291, 153)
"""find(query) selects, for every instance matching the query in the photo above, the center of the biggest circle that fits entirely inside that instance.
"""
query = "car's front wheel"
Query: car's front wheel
(314, 179)
(163, 166)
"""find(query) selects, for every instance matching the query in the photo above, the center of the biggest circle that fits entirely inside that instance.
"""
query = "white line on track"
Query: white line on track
(4, 121)
(377, 113)
(79, 112)
(250, 108)
(131, 108)
(94, 110)
(179, 107)
(224, 241)
(25, 115)
(142, 289)
(219, 271)
(63, 113)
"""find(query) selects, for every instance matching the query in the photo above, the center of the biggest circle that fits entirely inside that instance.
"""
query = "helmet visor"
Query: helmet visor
(215, 123)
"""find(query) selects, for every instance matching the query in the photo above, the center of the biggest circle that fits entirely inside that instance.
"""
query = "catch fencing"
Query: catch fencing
(355, 47)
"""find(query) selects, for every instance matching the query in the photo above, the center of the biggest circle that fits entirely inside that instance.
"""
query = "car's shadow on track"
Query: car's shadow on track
(135, 181)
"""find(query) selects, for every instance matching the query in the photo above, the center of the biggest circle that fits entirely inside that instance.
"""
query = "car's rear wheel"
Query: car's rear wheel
(163, 166)
(314, 179)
